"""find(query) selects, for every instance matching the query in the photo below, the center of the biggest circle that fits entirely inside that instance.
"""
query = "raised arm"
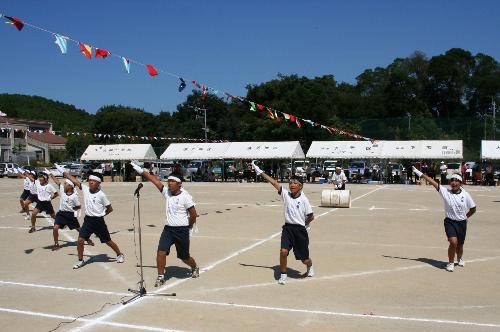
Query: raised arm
(425, 176)
(269, 179)
(56, 180)
(68, 176)
(147, 175)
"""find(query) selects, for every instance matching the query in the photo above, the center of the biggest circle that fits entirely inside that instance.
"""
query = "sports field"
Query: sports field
(379, 265)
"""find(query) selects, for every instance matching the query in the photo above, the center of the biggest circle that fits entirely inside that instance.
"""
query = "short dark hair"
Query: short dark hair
(298, 178)
(43, 174)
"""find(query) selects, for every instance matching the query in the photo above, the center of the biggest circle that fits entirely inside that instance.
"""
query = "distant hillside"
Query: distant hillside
(64, 117)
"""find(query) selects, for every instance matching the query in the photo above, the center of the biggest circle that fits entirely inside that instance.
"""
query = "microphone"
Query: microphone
(136, 192)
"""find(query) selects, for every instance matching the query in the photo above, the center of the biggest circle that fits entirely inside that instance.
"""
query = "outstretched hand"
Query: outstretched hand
(136, 167)
(416, 171)
(60, 168)
(256, 168)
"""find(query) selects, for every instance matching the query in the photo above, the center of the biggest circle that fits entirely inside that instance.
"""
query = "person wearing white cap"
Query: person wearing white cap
(459, 207)
(179, 221)
(338, 179)
(97, 205)
(69, 204)
(45, 193)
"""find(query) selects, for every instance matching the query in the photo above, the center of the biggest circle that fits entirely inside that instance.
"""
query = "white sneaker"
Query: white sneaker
(310, 271)
(450, 267)
(79, 264)
(160, 281)
(282, 279)
(28, 217)
(120, 258)
(195, 273)
(461, 262)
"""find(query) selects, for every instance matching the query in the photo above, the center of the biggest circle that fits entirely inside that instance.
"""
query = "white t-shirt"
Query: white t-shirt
(296, 209)
(45, 192)
(456, 206)
(95, 203)
(34, 187)
(27, 184)
(339, 178)
(176, 207)
(68, 203)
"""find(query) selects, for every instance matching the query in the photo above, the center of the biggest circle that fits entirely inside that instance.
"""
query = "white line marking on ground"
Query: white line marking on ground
(208, 268)
(333, 313)
(340, 276)
(70, 318)
(72, 289)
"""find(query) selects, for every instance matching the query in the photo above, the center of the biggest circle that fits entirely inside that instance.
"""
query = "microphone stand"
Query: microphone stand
(142, 290)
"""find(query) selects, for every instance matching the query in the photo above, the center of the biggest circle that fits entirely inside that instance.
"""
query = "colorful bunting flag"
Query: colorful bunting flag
(298, 123)
(15, 22)
(86, 50)
(62, 42)
(252, 106)
(100, 52)
(152, 71)
(182, 85)
(2, 114)
(126, 63)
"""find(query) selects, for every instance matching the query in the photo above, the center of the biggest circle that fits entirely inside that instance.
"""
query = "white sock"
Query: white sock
(283, 276)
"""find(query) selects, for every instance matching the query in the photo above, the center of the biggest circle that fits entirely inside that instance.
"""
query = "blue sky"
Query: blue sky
(224, 44)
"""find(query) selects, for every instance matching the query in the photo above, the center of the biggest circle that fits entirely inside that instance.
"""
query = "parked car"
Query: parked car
(356, 170)
(194, 165)
(453, 168)
(300, 167)
(9, 170)
(165, 168)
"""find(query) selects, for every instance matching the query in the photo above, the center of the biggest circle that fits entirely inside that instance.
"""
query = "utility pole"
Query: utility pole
(493, 106)
(409, 123)
(205, 128)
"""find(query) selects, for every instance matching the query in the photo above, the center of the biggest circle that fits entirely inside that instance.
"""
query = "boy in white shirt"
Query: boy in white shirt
(26, 187)
(32, 197)
(339, 179)
(458, 207)
(69, 204)
(298, 216)
(180, 218)
(97, 205)
(45, 193)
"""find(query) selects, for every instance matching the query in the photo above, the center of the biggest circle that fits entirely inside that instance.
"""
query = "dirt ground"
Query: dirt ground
(379, 265)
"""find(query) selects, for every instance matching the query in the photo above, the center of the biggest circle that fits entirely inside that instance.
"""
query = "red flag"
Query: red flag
(100, 52)
(292, 118)
(86, 50)
(298, 123)
(260, 107)
(152, 71)
(16, 22)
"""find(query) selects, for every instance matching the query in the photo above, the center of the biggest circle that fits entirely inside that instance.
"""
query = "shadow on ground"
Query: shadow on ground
(435, 263)
(292, 273)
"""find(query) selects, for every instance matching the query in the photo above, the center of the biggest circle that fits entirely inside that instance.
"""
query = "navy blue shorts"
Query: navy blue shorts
(66, 218)
(45, 206)
(456, 228)
(33, 198)
(97, 226)
(25, 194)
(175, 235)
(296, 237)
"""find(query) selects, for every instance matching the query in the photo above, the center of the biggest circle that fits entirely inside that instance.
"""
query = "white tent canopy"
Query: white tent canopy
(234, 150)
(193, 151)
(490, 149)
(265, 150)
(386, 150)
(119, 152)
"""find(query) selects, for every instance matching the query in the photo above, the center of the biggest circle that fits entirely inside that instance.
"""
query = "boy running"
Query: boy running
(26, 187)
(45, 193)
(458, 207)
(97, 205)
(298, 216)
(32, 197)
(180, 218)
